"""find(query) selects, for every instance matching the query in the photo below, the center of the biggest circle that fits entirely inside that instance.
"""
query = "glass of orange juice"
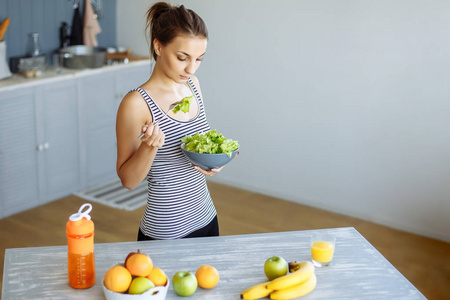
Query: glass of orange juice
(322, 248)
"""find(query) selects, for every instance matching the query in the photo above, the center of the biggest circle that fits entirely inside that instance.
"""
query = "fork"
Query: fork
(172, 106)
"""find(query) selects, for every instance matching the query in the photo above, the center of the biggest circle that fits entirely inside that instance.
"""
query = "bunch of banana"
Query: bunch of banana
(256, 292)
(299, 282)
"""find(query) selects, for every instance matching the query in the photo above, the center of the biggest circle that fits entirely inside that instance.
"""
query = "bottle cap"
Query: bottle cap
(80, 223)
(82, 214)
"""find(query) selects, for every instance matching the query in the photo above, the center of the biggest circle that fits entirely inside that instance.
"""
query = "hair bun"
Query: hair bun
(165, 26)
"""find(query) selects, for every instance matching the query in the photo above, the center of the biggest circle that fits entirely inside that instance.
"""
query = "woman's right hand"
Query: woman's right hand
(153, 136)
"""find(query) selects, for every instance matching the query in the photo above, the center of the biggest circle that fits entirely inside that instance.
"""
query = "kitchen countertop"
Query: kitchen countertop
(50, 75)
(358, 270)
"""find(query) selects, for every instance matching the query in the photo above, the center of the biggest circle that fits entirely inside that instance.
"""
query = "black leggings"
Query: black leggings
(212, 229)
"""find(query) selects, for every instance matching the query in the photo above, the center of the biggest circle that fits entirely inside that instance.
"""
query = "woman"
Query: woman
(178, 203)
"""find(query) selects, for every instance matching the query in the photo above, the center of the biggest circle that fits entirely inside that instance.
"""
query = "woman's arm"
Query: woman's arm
(135, 156)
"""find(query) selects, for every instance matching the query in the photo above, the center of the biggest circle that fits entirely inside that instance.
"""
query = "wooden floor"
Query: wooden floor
(425, 262)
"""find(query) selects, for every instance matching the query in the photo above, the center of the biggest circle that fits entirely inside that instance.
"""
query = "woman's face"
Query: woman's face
(181, 57)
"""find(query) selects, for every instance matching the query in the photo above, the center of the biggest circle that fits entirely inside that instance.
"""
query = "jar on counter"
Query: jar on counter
(34, 64)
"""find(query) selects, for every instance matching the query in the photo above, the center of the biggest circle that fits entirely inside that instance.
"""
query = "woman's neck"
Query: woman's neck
(163, 86)
(165, 82)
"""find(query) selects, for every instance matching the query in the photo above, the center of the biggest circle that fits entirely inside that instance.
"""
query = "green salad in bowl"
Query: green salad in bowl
(209, 150)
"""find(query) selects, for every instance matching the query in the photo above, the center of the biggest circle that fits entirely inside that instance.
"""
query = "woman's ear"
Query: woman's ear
(157, 46)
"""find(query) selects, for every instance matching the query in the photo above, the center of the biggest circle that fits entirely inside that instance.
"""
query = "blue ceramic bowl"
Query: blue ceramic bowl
(208, 161)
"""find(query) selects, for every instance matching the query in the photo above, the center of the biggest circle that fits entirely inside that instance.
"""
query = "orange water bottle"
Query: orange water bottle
(80, 242)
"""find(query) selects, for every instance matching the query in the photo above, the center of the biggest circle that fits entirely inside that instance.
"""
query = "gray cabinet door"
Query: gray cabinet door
(100, 96)
(59, 138)
(18, 156)
(98, 119)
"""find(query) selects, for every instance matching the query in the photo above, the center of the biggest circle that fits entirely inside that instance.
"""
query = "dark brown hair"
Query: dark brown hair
(166, 22)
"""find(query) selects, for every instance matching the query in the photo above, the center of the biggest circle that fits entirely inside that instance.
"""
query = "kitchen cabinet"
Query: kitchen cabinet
(97, 112)
(57, 140)
(100, 97)
(57, 134)
(39, 146)
(129, 79)
(19, 187)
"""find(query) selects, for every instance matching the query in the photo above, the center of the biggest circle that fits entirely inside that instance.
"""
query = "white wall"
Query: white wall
(131, 25)
(341, 105)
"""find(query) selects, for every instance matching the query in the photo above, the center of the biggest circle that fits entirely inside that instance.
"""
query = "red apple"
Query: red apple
(129, 255)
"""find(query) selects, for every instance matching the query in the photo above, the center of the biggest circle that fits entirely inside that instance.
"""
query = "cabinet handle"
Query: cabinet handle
(43, 146)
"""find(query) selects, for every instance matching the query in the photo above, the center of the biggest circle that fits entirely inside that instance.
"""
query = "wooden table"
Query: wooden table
(358, 270)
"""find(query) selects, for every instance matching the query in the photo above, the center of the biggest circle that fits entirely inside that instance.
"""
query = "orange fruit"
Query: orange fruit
(139, 264)
(158, 277)
(117, 279)
(207, 276)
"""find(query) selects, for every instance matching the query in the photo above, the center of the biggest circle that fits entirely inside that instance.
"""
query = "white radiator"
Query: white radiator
(113, 194)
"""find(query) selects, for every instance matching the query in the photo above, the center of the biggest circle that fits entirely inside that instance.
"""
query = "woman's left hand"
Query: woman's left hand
(207, 172)
(212, 171)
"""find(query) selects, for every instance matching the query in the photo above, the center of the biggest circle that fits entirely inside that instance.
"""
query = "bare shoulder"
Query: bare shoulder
(132, 99)
(134, 105)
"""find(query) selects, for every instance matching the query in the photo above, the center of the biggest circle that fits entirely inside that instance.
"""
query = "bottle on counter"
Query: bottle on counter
(34, 47)
(34, 64)
(64, 36)
(80, 242)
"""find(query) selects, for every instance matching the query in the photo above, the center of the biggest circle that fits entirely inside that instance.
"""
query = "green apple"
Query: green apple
(184, 283)
(140, 285)
(275, 266)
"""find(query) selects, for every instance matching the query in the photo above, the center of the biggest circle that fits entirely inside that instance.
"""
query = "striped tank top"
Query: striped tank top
(178, 201)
